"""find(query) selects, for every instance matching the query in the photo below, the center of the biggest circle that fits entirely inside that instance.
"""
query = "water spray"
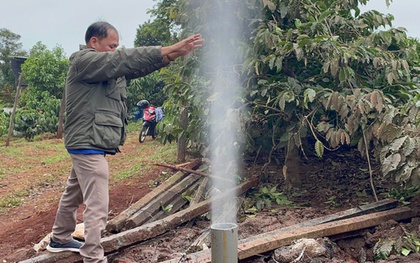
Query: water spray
(222, 58)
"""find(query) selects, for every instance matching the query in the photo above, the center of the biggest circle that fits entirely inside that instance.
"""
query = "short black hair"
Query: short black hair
(98, 29)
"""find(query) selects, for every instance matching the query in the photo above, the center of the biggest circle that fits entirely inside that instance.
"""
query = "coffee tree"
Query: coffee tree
(45, 72)
(318, 75)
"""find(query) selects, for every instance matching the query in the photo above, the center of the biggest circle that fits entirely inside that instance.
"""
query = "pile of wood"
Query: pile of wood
(165, 208)
(150, 216)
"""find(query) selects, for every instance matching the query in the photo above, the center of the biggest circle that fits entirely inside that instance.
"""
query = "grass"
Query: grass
(32, 166)
(13, 200)
(143, 161)
(23, 152)
(57, 158)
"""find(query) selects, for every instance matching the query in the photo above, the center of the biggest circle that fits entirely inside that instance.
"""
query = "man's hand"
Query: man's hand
(182, 48)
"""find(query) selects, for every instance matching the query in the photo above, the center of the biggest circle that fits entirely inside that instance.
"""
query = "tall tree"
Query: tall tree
(153, 33)
(45, 71)
(323, 72)
(9, 47)
(161, 31)
(318, 72)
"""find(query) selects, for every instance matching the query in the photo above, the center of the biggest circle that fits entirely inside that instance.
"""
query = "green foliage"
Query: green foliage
(188, 80)
(405, 245)
(403, 194)
(399, 140)
(383, 249)
(35, 100)
(39, 114)
(321, 75)
(161, 153)
(149, 87)
(9, 47)
(155, 33)
(187, 196)
(167, 208)
(46, 70)
(315, 71)
(26, 122)
(332, 201)
(171, 126)
(4, 122)
(266, 196)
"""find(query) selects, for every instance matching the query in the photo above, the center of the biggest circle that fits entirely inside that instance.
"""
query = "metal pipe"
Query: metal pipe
(224, 243)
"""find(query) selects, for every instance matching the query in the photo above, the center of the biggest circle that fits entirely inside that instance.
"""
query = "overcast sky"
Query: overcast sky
(64, 22)
(405, 13)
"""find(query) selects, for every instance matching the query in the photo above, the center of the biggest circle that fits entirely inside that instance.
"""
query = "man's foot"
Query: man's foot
(73, 246)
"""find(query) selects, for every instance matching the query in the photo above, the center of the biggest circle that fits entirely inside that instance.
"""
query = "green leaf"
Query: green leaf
(319, 148)
(308, 96)
(405, 252)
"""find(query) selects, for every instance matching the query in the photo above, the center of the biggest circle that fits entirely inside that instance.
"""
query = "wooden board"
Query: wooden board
(117, 223)
(153, 206)
(272, 240)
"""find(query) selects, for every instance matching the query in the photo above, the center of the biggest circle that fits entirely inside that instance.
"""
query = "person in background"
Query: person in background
(159, 114)
(96, 126)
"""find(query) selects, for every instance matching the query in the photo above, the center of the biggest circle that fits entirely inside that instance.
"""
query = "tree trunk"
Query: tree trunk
(12, 116)
(182, 141)
(61, 116)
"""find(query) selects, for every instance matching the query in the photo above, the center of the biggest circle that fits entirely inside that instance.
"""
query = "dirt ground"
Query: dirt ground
(334, 183)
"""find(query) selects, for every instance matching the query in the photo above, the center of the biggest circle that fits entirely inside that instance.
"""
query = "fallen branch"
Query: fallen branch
(182, 164)
(178, 168)
(192, 171)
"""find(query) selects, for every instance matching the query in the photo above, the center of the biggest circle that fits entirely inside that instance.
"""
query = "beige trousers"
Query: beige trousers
(87, 183)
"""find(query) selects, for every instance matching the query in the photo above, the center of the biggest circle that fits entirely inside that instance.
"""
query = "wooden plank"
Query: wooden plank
(199, 195)
(382, 205)
(147, 231)
(264, 243)
(177, 203)
(133, 236)
(289, 234)
(153, 206)
(117, 223)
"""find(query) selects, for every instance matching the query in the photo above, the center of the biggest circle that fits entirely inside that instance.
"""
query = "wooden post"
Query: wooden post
(12, 116)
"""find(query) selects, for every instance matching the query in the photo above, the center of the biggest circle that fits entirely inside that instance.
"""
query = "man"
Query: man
(96, 126)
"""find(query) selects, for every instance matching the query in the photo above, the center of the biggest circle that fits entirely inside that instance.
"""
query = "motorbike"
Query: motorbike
(149, 124)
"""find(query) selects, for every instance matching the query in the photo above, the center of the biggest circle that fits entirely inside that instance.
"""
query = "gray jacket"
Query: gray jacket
(96, 94)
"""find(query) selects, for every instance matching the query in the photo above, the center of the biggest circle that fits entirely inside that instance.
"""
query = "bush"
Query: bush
(4, 122)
